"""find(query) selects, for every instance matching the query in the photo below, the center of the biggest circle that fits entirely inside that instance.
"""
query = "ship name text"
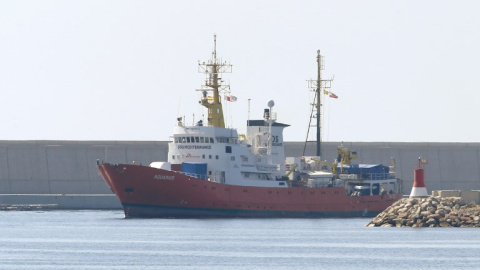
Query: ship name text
(164, 177)
(194, 147)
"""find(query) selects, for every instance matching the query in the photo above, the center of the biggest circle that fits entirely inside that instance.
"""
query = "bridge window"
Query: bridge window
(197, 139)
(188, 139)
(202, 139)
(228, 149)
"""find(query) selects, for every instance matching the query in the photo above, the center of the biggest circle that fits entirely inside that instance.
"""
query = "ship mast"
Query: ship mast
(213, 82)
(319, 103)
(318, 86)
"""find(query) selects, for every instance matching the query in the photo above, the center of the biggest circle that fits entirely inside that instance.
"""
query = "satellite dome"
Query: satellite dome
(271, 104)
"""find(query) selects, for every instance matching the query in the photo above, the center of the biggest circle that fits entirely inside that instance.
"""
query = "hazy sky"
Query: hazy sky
(405, 71)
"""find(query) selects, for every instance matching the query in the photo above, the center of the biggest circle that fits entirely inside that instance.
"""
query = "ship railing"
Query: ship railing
(220, 180)
(349, 176)
(267, 167)
(375, 176)
(210, 178)
(196, 175)
(217, 179)
(366, 176)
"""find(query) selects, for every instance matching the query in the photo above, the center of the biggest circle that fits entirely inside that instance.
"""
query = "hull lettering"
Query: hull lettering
(164, 177)
(194, 147)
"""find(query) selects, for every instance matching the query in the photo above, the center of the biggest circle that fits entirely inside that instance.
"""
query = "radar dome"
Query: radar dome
(271, 104)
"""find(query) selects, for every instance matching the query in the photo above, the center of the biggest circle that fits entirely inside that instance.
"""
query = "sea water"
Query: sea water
(106, 240)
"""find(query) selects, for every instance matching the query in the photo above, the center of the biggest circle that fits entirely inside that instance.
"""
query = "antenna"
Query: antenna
(270, 120)
(248, 115)
(215, 46)
(319, 103)
(318, 86)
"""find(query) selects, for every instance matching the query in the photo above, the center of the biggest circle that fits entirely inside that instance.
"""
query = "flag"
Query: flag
(332, 95)
(325, 92)
(231, 98)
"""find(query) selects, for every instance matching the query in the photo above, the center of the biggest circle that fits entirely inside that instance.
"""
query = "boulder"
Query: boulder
(429, 212)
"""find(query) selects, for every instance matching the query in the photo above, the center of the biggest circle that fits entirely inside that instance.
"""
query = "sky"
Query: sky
(404, 71)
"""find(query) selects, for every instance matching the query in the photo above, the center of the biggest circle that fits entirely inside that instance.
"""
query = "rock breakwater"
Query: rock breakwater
(429, 212)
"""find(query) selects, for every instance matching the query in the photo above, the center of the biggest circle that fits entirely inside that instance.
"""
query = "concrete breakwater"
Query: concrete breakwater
(429, 212)
(27, 207)
(59, 201)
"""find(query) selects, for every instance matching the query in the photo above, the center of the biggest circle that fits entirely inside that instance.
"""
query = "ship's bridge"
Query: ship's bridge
(201, 144)
(204, 134)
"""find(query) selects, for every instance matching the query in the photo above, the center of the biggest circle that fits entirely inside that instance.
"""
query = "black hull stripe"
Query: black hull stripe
(149, 211)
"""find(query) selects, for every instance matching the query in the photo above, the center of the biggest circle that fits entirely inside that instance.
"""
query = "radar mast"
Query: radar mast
(214, 83)
(318, 86)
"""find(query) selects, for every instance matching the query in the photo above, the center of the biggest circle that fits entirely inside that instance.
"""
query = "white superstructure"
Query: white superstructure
(256, 159)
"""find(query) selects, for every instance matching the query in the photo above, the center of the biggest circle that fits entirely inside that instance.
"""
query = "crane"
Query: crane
(331, 165)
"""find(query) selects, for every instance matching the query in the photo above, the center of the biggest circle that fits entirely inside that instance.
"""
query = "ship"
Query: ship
(212, 171)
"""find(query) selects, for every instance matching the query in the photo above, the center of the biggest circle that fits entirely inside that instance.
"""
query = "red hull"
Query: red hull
(151, 192)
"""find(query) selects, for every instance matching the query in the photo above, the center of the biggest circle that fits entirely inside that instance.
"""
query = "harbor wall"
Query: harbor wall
(67, 169)
(467, 195)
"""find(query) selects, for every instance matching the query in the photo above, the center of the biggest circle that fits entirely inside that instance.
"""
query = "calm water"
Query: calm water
(105, 240)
